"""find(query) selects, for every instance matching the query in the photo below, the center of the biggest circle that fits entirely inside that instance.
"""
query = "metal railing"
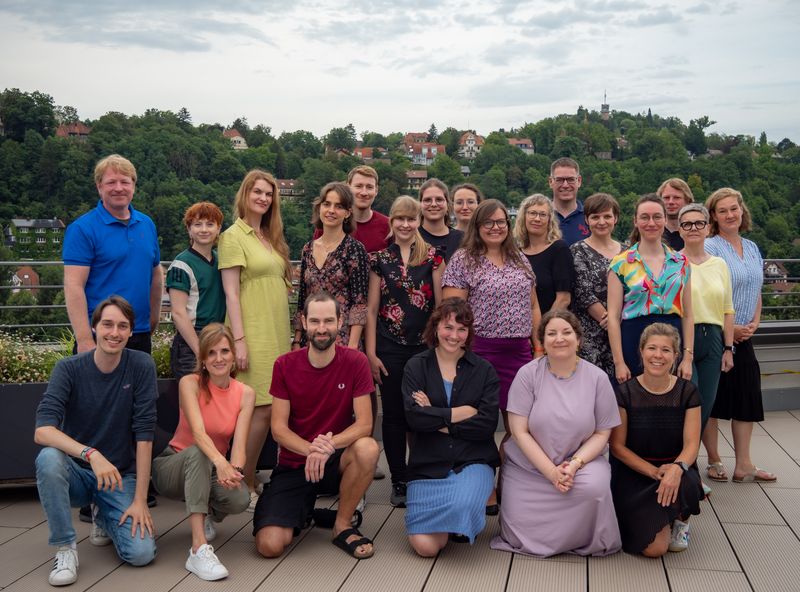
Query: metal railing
(780, 312)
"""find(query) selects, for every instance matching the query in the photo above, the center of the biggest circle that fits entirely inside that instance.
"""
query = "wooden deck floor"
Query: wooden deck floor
(746, 538)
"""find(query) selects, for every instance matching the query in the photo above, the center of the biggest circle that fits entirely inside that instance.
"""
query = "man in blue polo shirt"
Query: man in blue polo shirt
(565, 180)
(113, 249)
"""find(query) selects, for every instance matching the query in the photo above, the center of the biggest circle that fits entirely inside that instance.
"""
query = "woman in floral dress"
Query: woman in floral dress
(404, 288)
(335, 262)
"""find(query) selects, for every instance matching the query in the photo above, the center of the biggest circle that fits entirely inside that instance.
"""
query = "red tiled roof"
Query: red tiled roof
(231, 133)
(65, 130)
(416, 174)
(520, 141)
(478, 139)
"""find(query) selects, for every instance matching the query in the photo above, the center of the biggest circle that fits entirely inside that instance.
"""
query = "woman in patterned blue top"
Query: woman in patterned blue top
(739, 391)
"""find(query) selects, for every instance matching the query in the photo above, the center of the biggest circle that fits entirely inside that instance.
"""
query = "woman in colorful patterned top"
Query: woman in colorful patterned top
(739, 390)
(648, 283)
(404, 288)
(335, 262)
(256, 278)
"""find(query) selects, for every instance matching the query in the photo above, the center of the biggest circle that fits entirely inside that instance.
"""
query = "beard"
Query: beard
(321, 341)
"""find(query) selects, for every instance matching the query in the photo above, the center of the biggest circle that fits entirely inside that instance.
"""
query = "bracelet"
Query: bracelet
(240, 338)
(239, 469)
(89, 453)
(84, 451)
(581, 462)
(686, 349)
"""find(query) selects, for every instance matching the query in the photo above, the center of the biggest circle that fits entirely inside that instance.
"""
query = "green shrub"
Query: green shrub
(23, 360)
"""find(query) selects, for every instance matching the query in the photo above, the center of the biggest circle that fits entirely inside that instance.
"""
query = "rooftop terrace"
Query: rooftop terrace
(746, 538)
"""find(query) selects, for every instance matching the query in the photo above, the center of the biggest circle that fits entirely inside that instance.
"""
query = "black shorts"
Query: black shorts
(288, 499)
(182, 360)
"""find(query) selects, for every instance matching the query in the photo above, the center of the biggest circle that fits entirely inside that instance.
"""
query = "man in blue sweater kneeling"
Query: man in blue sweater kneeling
(97, 422)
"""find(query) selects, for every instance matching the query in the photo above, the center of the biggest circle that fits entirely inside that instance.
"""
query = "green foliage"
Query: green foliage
(342, 138)
(22, 112)
(446, 169)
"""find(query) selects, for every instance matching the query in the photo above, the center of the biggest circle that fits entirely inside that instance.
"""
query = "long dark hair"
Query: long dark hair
(473, 243)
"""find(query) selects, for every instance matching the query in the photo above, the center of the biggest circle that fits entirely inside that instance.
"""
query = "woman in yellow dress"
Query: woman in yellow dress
(256, 276)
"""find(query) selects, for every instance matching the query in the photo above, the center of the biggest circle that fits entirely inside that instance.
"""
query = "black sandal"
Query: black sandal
(340, 540)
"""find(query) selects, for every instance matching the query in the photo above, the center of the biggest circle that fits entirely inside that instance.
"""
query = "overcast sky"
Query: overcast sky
(388, 65)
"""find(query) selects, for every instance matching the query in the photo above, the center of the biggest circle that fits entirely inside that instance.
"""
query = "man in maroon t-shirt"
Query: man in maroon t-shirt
(372, 228)
(317, 390)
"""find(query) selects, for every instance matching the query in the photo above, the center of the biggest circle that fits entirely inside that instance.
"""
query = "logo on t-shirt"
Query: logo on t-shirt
(341, 386)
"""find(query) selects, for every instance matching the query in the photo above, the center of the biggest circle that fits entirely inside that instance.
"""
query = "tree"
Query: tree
(184, 116)
(240, 125)
(567, 146)
(433, 135)
(446, 169)
(450, 138)
(315, 174)
(66, 114)
(342, 138)
(374, 139)
(280, 161)
(303, 143)
(493, 183)
(21, 111)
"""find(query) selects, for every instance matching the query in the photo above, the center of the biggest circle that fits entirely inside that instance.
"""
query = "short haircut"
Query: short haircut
(680, 185)
(521, 230)
(457, 307)
(694, 207)
(600, 202)
(322, 296)
(204, 210)
(117, 163)
(719, 195)
(364, 170)
(345, 198)
(661, 330)
(565, 162)
(118, 301)
(470, 187)
(564, 315)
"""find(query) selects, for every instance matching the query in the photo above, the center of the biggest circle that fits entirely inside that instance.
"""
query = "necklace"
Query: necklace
(327, 248)
(656, 391)
(568, 376)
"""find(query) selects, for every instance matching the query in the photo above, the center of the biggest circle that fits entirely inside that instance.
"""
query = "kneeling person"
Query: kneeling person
(97, 404)
(214, 407)
(316, 392)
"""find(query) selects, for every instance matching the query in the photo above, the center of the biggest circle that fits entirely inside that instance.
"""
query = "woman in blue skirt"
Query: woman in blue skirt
(451, 404)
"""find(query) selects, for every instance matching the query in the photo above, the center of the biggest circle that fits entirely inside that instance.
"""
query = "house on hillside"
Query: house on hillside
(425, 153)
(469, 145)
(236, 139)
(290, 188)
(414, 138)
(415, 179)
(25, 276)
(35, 238)
(74, 131)
(775, 271)
(524, 144)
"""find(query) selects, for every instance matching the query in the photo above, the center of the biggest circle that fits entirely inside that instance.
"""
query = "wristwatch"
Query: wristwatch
(684, 467)
(730, 348)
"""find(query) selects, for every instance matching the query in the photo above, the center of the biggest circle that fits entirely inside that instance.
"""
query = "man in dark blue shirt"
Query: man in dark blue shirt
(96, 422)
(565, 180)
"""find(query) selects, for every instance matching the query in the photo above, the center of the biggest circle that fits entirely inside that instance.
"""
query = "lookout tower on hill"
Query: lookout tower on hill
(604, 111)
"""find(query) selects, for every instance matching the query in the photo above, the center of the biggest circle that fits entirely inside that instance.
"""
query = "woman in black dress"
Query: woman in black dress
(538, 234)
(654, 478)
(436, 210)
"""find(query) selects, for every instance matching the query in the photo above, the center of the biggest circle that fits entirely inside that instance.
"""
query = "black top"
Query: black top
(673, 239)
(655, 422)
(447, 243)
(554, 272)
(433, 454)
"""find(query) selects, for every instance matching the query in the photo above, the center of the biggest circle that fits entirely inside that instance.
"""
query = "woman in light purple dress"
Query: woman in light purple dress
(555, 479)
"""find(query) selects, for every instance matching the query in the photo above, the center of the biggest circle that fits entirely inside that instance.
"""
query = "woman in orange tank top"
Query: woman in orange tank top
(214, 407)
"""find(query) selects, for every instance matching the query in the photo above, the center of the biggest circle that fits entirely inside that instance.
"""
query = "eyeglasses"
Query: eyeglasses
(489, 224)
(698, 224)
(428, 200)
(567, 180)
(535, 214)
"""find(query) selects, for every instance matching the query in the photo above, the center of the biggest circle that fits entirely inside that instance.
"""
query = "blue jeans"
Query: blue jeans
(63, 483)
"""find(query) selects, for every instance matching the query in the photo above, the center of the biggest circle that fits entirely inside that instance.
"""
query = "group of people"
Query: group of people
(581, 343)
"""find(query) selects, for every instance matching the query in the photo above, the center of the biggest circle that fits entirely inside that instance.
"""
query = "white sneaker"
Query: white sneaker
(362, 503)
(97, 536)
(253, 501)
(679, 539)
(205, 565)
(65, 567)
(210, 531)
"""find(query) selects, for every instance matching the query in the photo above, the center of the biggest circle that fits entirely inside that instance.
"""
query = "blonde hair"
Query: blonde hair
(405, 205)
(117, 163)
(208, 337)
(520, 229)
(363, 170)
(680, 185)
(719, 195)
(271, 223)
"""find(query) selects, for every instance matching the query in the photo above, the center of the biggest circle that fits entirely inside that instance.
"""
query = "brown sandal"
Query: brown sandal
(720, 474)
